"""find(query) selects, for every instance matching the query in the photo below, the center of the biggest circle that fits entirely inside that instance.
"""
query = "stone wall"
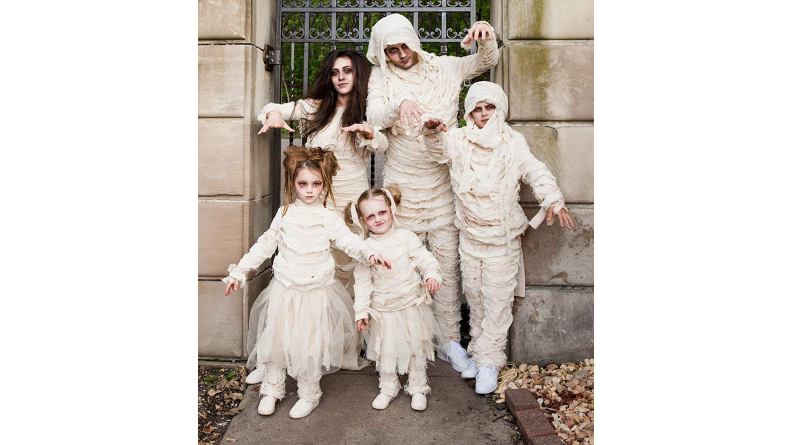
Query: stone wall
(236, 192)
(547, 71)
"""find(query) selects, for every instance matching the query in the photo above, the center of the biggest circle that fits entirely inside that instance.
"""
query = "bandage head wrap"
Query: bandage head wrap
(392, 30)
(495, 130)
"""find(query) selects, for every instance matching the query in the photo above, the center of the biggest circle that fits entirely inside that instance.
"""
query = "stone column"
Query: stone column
(236, 187)
(547, 71)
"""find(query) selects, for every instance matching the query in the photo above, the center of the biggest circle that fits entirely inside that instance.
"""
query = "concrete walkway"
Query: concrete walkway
(455, 415)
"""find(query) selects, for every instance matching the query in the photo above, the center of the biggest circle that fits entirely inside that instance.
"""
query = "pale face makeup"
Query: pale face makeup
(342, 76)
(401, 55)
(482, 113)
(308, 185)
(376, 214)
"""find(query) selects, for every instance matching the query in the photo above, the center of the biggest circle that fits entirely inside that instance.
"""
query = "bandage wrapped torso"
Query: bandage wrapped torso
(303, 321)
(395, 301)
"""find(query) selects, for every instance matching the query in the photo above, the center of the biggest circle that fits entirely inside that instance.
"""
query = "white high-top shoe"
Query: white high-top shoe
(267, 405)
(257, 376)
(486, 379)
(470, 371)
(456, 355)
(418, 402)
(302, 409)
(381, 401)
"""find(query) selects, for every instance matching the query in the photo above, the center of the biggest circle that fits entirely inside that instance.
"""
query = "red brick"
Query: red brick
(520, 400)
(533, 423)
(546, 440)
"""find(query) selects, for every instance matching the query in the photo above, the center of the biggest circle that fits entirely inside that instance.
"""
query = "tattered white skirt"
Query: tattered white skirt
(394, 337)
(306, 332)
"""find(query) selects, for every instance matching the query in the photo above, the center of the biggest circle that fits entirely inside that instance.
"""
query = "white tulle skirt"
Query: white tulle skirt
(306, 332)
(394, 337)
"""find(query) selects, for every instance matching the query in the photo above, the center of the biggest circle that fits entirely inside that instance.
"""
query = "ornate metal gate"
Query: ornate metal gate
(307, 30)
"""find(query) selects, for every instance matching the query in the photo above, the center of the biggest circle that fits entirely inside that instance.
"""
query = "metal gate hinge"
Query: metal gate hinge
(272, 57)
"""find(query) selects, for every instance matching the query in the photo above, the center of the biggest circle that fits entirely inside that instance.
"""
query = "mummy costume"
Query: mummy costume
(302, 322)
(427, 206)
(402, 331)
(486, 166)
(351, 179)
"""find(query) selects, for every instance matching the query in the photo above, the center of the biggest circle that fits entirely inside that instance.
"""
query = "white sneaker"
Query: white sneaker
(486, 379)
(470, 371)
(267, 405)
(381, 401)
(418, 402)
(302, 409)
(257, 376)
(456, 355)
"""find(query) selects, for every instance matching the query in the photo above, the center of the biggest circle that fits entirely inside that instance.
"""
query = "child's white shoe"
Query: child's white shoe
(257, 376)
(456, 355)
(418, 402)
(302, 409)
(267, 405)
(381, 401)
(486, 379)
(470, 371)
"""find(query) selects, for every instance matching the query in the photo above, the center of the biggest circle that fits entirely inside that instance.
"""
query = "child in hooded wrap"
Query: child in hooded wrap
(487, 161)
(393, 305)
(406, 82)
(303, 321)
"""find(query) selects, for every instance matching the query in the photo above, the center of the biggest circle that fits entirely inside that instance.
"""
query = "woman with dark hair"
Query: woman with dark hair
(331, 116)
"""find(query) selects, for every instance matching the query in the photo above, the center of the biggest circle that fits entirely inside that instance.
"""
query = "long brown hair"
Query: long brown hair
(319, 161)
(367, 195)
(325, 95)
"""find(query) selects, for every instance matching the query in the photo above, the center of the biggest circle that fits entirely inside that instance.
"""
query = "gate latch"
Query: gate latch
(271, 57)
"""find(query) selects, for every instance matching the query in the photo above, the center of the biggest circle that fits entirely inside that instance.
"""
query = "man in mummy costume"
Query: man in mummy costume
(487, 160)
(405, 83)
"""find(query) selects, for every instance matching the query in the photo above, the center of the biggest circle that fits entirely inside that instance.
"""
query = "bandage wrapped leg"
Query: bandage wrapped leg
(417, 382)
(489, 277)
(389, 383)
(308, 386)
(443, 242)
(274, 383)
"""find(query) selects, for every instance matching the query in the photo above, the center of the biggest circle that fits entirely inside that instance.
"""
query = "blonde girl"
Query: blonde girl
(394, 305)
(301, 324)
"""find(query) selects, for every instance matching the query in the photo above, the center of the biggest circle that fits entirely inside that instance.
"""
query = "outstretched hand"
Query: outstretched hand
(409, 110)
(378, 259)
(362, 324)
(275, 120)
(234, 285)
(432, 285)
(433, 123)
(365, 130)
(479, 31)
(563, 218)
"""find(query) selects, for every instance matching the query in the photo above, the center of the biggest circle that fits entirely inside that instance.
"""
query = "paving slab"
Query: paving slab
(455, 414)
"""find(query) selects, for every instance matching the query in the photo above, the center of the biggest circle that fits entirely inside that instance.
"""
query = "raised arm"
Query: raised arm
(426, 262)
(438, 143)
(474, 65)
(363, 289)
(343, 239)
(263, 249)
(369, 137)
(381, 112)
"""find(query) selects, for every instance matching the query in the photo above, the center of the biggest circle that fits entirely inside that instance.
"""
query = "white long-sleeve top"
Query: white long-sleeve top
(379, 289)
(434, 83)
(486, 182)
(351, 179)
(303, 237)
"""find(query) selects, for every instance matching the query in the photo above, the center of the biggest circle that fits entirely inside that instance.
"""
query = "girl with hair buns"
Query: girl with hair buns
(393, 305)
(332, 116)
(301, 324)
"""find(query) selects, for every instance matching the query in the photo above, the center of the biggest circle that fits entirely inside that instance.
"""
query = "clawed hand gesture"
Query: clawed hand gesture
(432, 285)
(234, 285)
(563, 218)
(365, 130)
(409, 110)
(433, 123)
(378, 259)
(275, 120)
(479, 31)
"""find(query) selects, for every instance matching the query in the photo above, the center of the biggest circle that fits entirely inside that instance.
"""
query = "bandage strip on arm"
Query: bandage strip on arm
(263, 249)
(476, 64)
(543, 184)
(363, 289)
(343, 239)
(381, 112)
(423, 259)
